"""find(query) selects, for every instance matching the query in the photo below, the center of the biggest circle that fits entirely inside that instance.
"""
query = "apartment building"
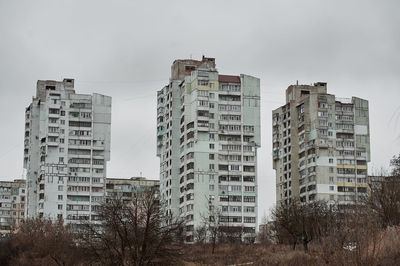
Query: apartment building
(66, 149)
(320, 146)
(12, 205)
(208, 133)
(124, 188)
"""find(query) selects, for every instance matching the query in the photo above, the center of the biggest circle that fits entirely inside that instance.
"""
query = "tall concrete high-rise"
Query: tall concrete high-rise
(208, 132)
(320, 146)
(66, 149)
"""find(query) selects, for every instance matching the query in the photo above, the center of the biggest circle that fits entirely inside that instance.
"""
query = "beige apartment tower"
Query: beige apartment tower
(320, 146)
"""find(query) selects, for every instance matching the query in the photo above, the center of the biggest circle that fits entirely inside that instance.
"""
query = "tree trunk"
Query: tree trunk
(305, 245)
(214, 240)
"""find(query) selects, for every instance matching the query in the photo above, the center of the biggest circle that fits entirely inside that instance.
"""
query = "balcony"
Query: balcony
(53, 143)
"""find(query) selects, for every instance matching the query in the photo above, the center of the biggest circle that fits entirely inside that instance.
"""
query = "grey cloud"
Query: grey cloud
(125, 48)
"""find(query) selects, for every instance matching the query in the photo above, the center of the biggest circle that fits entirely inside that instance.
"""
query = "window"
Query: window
(249, 199)
(202, 82)
(53, 111)
(60, 207)
(60, 188)
(86, 114)
(60, 197)
(61, 149)
(227, 107)
(211, 156)
(330, 160)
(211, 187)
(331, 179)
(235, 167)
(249, 219)
(62, 113)
(61, 160)
(236, 188)
(211, 167)
(331, 188)
(211, 178)
(203, 103)
(323, 132)
(249, 209)
(249, 188)
(330, 169)
(211, 146)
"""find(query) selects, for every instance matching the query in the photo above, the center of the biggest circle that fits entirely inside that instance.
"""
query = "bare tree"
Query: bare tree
(384, 196)
(200, 234)
(231, 234)
(301, 222)
(384, 199)
(134, 233)
(353, 237)
(7, 252)
(265, 234)
(43, 241)
(211, 225)
(395, 164)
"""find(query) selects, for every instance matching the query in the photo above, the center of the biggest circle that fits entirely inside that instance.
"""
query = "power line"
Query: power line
(9, 151)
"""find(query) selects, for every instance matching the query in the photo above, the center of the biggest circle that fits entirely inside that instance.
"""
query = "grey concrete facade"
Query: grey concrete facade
(320, 146)
(124, 188)
(208, 132)
(66, 149)
(12, 205)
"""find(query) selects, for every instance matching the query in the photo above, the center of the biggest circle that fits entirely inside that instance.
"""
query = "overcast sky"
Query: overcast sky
(124, 49)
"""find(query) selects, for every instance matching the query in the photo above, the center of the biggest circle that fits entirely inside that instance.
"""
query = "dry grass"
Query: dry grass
(247, 254)
(384, 250)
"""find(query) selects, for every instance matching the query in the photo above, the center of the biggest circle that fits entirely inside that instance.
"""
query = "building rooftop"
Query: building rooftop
(229, 79)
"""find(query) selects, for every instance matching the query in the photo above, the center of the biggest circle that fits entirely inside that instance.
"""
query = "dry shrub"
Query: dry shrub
(242, 254)
(381, 247)
(224, 254)
(388, 247)
(290, 258)
(44, 242)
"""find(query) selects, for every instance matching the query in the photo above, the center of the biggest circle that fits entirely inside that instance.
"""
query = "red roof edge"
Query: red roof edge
(228, 79)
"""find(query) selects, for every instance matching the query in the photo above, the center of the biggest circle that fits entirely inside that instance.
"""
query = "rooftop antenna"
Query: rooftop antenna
(190, 56)
(140, 174)
(297, 82)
